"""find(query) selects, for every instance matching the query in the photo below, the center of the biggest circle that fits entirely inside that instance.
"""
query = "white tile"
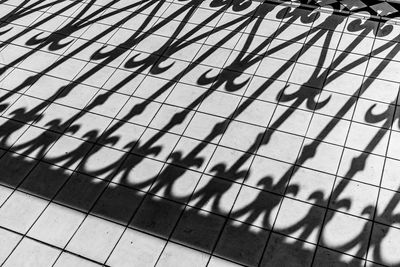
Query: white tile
(20, 211)
(275, 68)
(328, 129)
(342, 229)
(242, 136)
(310, 186)
(344, 62)
(5, 192)
(368, 167)
(163, 144)
(32, 253)
(354, 198)
(225, 193)
(202, 125)
(95, 238)
(290, 120)
(8, 241)
(324, 158)
(98, 159)
(56, 225)
(367, 138)
(390, 174)
(136, 248)
(384, 69)
(258, 112)
(183, 156)
(387, 206)
(384, 246)
(394, 145)
(137, 170)
(280, 146)
(219, 104)
(256, 207)
(265, 168)
(299, 220)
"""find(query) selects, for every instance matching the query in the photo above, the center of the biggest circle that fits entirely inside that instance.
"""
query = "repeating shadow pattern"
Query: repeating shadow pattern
(108, 157)
(380, 8)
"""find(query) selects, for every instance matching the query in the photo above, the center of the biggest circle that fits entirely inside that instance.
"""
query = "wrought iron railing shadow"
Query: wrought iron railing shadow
(95, 168)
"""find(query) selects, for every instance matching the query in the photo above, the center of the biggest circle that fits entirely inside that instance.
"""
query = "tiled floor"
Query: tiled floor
(198, 133)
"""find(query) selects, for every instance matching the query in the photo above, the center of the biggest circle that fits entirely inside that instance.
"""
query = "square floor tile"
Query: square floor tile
(101, 162)
(340, 230)
(152, 88)
(362, 167)
(285, 249)
(390, 173)
(220, 104)
(310, 186)
(368, 112)
(268, 174)
(168, 119)
(299, 220)
(320, 156)
(155, 144)
(32, 252)
(328, 129)
(8, 241)
(206, 127)
(186, 95)
(394, 148)
(136, 248)
(354, 198)
(383, 246)
(256, 207)
(265, 89)
(242, 136)
(367, 138)
(336, 105)
(137, 172)
(118, 203)
(198, 229)
(20, 211)
(242, 243)
(175, 183)
(15, 168)
(121, 135)
(56, 225)
(291, 120)
(5, 192)
(257, 112)
(275, 68)
(153, 208)
(229, 164)
(134, 113)
(97, 231)
(280, 146)
(35, 142)
(45, 180)
(80, 191)
(214, 194)
(76, 95)
(67, 152)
